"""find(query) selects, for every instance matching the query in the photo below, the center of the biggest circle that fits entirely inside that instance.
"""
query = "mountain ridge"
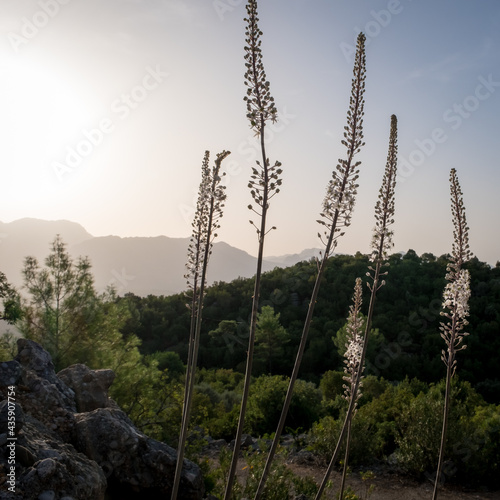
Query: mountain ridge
(142, 265)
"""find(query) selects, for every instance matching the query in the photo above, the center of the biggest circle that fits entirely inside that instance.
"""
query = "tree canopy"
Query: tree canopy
(407, 317)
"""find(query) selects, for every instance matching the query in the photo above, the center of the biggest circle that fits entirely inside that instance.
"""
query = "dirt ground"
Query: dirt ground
(392, 486)
(388, 485)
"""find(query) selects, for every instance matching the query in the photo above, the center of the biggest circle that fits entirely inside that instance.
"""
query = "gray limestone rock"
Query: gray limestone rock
(132, 461)
(73, 442)
(90, 386)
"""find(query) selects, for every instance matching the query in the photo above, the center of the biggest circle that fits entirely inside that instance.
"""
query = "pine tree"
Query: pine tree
(62, 303)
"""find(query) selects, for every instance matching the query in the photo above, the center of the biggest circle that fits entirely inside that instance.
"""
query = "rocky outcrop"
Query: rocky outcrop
(129, 458)
(90, 386)
(71, 442)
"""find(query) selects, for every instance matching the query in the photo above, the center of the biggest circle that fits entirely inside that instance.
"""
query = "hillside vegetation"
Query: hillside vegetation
(407, 320)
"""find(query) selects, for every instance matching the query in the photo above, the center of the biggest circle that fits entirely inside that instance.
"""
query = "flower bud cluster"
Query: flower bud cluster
(457, 292)
(260, 103)
(385, 208)
(354, 345)
(341, 192)
(209, 210)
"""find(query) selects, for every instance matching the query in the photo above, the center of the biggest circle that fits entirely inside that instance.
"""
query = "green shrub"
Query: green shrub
(373, 387)
(304, 486)
(331, 384)
(282, 483)
(472, 438)
(170, 361)
(373, 428)
(323, 436)
(477, 456)
(221, 379)
(8, 346)
(216, 478)
(364, 446)
(349, 494)
(420, 434)
(266, 401)
(224, 423)
(279, 481)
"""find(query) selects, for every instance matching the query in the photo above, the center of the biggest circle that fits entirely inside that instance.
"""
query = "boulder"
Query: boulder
(40, 392)
(90, 386)
(44, 464)
(73, 442)
(10, 373)
(33, 358)
(131, 461)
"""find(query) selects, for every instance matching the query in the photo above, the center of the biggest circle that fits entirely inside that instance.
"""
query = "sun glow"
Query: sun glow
(40, 115)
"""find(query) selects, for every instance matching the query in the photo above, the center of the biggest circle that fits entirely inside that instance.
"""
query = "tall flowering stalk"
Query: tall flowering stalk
(353, 366)
(381, 244)
(338, 205)
(209, 211)
(195, 256)
(264, 184)
(455, 304)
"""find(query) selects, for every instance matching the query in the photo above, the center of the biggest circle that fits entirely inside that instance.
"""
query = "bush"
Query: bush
(279, 482)
(420, 434)
(8, 347)
(373, 387)
(331, 384)
(480, 454)
(267, 395)
(223, 425)
(170, 361)
(223, 388)
(373, 427)
(364, 445)
(282, 483)
(472, 439)
(221, 379)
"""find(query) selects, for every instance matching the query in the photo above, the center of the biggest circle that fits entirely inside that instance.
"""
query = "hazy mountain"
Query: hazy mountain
(25, 237)
(291, 259)
(140, 265)
(157, 265)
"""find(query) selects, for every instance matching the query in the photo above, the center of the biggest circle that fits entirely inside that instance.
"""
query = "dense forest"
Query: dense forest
(407, 341)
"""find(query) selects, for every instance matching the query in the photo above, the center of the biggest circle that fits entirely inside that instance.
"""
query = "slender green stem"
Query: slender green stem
(212, 209)
(446, 409)
(253, 322)
(344, 193)
(293, 377)
(352, 401)
(384, 211)
(346, 461)
(456, 297)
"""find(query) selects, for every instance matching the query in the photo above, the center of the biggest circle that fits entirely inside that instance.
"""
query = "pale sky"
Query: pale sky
(107, 107)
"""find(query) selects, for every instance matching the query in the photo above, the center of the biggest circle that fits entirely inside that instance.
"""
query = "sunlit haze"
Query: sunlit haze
(107, 108)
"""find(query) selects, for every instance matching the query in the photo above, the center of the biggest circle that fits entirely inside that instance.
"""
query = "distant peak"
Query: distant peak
(71, 232)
